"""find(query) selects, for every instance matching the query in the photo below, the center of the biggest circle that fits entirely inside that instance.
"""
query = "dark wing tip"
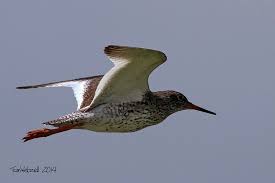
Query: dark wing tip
(112, 48)
(164, 57)
(213, 113)
(120, 51)
(25, 87)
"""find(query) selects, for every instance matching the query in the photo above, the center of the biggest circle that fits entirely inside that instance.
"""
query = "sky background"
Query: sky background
(220, 55)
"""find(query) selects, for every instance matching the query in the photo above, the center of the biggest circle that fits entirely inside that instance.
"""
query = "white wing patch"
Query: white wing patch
(83, 88)
(128, 79)
(79, 88)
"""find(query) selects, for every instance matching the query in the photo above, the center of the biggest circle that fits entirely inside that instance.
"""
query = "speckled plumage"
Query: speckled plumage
(120, 100)
(127, 116)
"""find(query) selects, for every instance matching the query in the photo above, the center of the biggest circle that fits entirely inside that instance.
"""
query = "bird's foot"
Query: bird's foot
(44, 132)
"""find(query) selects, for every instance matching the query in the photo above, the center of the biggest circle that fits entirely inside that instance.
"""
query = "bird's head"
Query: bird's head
(179, 102)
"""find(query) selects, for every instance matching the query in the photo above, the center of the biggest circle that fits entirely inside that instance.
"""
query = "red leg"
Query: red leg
(44, 132)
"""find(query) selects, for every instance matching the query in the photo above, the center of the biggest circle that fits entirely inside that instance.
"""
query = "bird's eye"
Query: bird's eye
(180, 97)
(174, 97)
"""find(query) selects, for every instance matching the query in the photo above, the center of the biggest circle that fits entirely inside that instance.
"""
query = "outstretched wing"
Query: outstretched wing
(128, 79)
(84, 88)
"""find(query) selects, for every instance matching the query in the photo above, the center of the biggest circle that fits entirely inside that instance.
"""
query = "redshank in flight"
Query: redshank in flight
(120, 100)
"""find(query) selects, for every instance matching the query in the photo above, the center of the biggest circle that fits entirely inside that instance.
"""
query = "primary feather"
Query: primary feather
(83, 88)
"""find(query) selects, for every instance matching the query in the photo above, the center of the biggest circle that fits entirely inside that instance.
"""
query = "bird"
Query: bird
(119, 101)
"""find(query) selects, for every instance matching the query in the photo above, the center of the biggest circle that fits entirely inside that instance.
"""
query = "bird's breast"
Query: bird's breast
(124, 117)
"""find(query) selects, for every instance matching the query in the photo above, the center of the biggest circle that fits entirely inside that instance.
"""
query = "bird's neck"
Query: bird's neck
(162, 101)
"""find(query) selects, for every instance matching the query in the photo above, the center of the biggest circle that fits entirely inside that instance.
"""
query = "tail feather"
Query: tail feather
(73, 118)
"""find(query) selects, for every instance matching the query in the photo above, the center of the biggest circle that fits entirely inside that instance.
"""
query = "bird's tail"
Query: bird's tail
(73, 118)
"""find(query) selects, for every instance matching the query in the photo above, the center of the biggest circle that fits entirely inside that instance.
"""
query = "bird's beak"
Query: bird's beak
(189, 105)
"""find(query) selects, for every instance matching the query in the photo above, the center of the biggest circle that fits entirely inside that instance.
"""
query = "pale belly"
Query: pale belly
(122, 128)
(119, 125)
(111, 119)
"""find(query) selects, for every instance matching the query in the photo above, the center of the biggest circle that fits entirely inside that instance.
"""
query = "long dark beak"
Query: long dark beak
(189, 105)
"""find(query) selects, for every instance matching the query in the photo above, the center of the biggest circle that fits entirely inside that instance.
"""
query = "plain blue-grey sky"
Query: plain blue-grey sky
(220, 55)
